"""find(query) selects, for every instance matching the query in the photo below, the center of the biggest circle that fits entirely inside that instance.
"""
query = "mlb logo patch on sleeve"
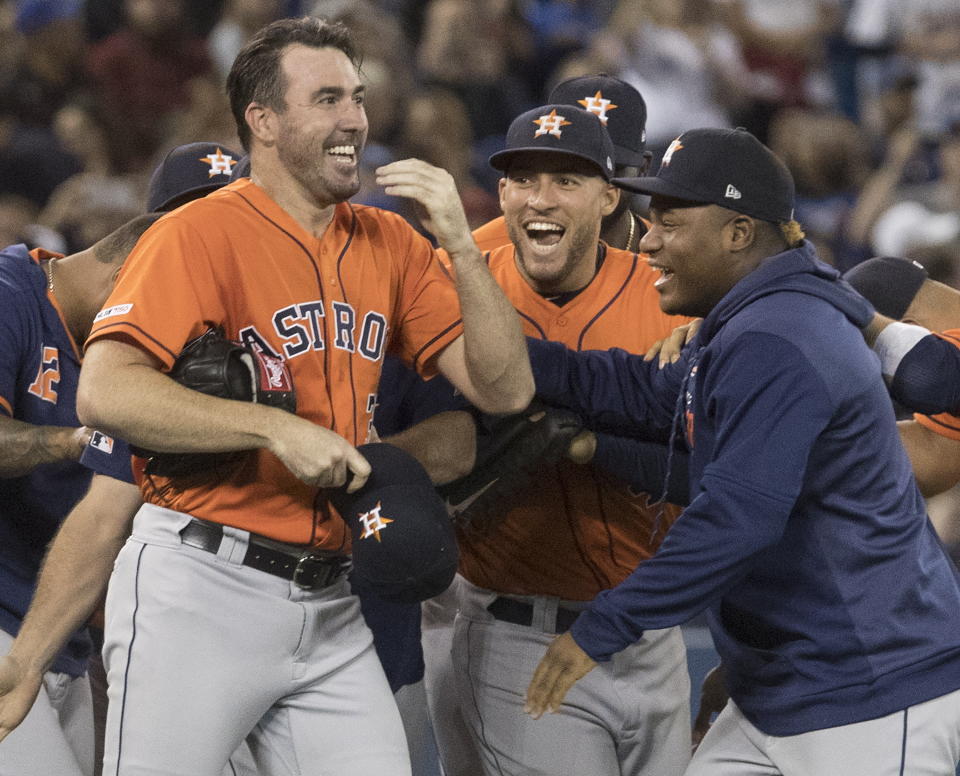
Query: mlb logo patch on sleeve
(100, 441)
(117, 309)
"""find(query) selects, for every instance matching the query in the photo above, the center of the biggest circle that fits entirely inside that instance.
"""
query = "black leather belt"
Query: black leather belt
(306, 568)
(520, 613)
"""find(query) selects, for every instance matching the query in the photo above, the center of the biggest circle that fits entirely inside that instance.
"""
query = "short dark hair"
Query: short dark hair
(113, 248)
(256, 75)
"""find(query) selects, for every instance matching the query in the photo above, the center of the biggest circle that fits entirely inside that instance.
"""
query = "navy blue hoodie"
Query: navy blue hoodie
(829, 596)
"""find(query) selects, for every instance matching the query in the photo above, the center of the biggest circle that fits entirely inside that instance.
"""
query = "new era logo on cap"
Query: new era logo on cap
(732, 192)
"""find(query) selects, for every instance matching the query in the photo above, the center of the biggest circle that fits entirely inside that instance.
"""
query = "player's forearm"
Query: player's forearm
(445, 445)
(935, 459)
(24, 446)
(76, 570)
(494, 346)
(126, 397)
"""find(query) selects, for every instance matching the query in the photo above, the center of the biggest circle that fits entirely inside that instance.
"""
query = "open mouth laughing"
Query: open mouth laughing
(544, 234)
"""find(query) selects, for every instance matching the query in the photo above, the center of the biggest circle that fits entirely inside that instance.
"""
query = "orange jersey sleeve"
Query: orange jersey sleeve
(582, 530)
(945, 424)
(330, 307)
(491, 235)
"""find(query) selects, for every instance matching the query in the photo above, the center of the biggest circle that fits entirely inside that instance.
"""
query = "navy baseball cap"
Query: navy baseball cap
(889, 283)
(404, 545)
(188, 172)
(241, 169)
(725, 167)
(620, 108)
(560, 129)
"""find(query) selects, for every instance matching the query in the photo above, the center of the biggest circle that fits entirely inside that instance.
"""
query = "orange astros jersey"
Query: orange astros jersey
(945, 424)
(581, 530)
(492, 234)
(330, 307)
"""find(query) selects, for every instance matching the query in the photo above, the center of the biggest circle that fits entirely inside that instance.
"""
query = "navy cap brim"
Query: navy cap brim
(658, 186)
(501, 159)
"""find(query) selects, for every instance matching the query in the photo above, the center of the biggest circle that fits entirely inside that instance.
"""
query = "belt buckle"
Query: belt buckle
(313, 570)
(306, 572)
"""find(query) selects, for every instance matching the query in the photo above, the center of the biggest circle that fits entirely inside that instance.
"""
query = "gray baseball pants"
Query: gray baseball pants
(56, 736)
(202, 652)
(923, 740)
(627, 717)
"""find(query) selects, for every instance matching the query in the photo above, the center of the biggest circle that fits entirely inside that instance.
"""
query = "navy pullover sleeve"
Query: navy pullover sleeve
(763, 431)
(609, 389)
(646, 466)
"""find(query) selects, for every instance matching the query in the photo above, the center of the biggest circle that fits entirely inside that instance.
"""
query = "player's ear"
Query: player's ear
(739, 232)
(262, 123)
(501, 186)
(609, 199)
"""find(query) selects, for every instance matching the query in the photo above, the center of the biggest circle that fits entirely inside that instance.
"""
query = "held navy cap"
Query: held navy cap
(188, 172)
(619, 107)
(725, 167)
(404, 545)
(888, 283)
(560, 129)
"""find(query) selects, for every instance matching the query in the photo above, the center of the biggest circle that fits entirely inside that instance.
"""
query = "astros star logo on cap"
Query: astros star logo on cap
(676, 145)
(220, 163)
(373, 522)
(550, 124)
(598, 105)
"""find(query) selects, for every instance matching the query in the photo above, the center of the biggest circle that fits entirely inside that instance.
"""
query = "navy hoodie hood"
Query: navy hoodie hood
(797, 270)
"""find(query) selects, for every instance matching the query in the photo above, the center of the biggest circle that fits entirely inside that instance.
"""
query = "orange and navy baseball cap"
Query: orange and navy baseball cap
(188, 172)
(725, 167)
(559, 129)
(403, 542)
(618, 105)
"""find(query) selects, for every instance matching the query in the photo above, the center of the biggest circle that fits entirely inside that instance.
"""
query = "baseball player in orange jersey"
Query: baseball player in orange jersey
(622, 110)
(582, 531)
(203, 646)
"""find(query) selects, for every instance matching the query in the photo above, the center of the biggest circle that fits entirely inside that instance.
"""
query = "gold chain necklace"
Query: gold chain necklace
(50, 263)
(633, 228)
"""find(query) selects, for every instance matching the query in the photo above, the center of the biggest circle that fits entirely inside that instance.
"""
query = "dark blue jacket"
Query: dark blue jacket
(829, 596)
(39, 369)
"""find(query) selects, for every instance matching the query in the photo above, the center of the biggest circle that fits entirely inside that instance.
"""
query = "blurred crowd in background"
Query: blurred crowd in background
(860, 97)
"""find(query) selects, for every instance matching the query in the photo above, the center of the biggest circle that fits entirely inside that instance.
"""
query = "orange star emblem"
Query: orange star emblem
(373, 522)
(550, 124)
(220, 163)
(675, 146)
(598, 105)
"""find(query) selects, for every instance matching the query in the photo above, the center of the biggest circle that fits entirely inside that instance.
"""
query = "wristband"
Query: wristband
(894, 342)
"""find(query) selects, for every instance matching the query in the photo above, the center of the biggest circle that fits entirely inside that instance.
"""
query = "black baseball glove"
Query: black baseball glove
(216, 366)
(511, 454)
